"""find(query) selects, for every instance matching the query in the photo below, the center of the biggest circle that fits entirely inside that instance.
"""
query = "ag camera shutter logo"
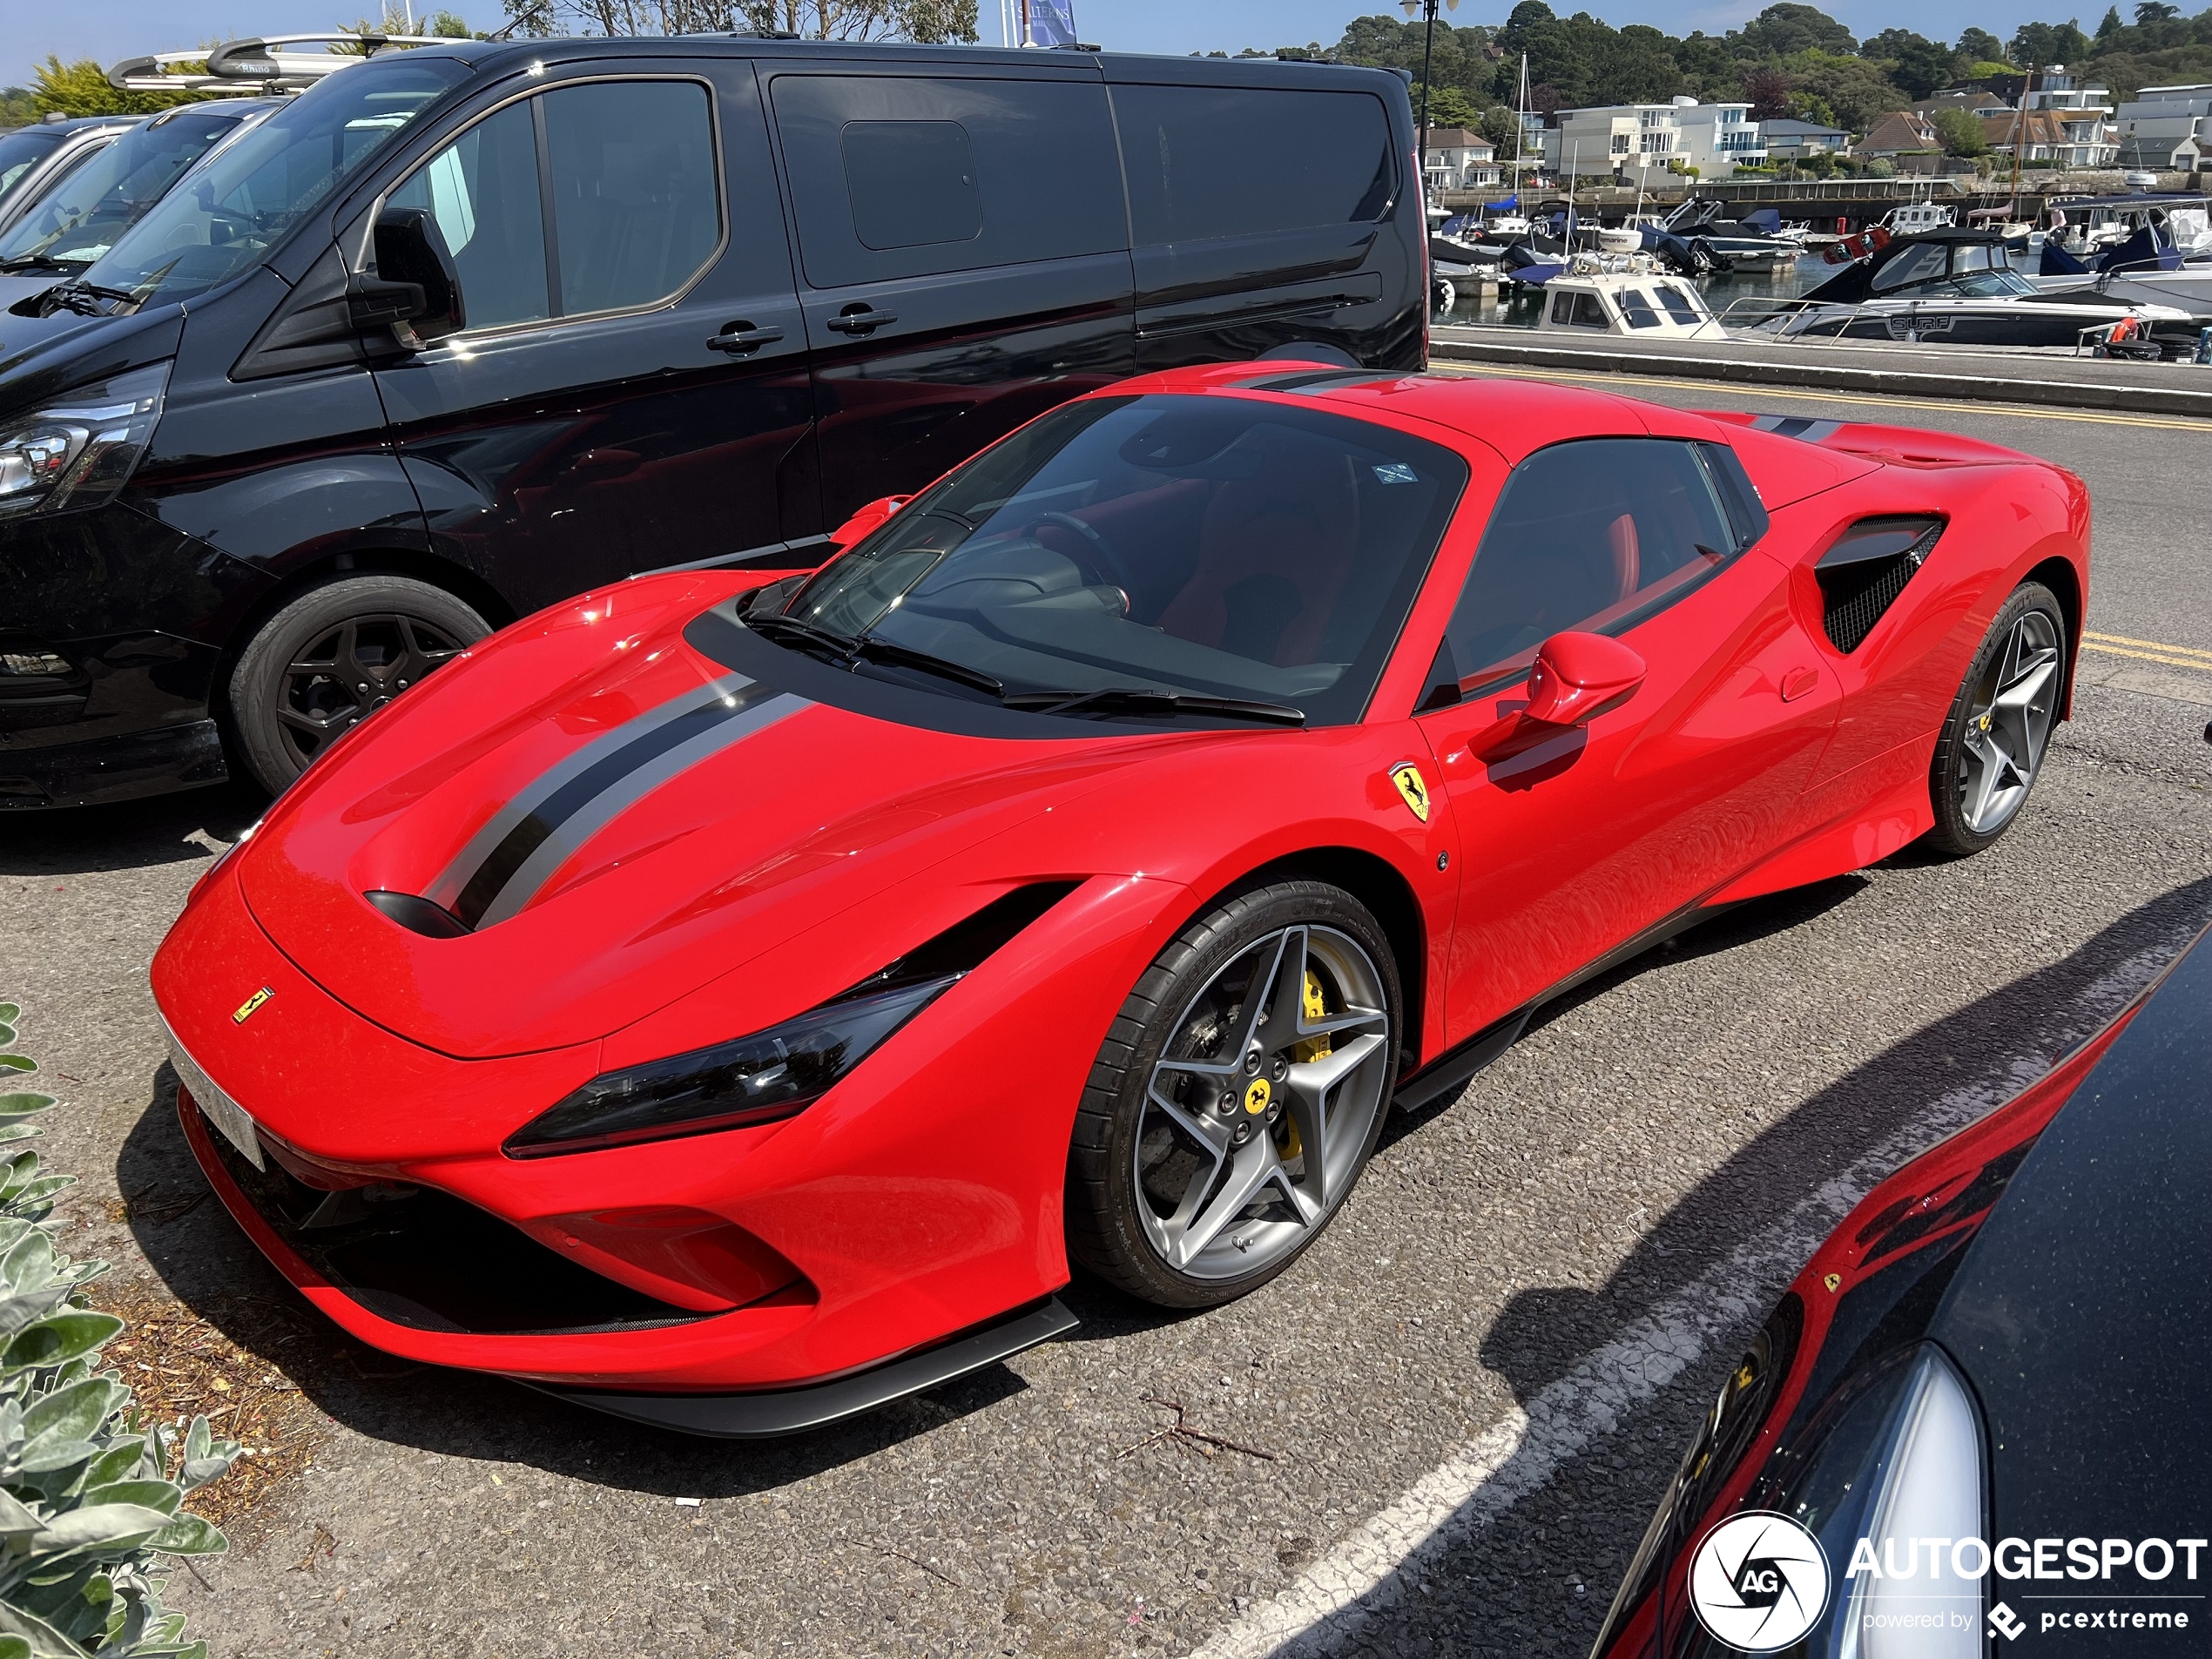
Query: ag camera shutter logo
(1759, 1582)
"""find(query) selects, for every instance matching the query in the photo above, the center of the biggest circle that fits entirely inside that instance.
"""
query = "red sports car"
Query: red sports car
(732, 1000)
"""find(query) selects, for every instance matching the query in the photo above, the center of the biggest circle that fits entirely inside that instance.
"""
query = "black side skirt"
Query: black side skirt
(793, 1411)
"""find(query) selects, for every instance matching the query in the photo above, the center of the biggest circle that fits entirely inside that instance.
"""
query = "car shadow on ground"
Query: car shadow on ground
(127, 835)
(1538, 1578)
(210, 1265)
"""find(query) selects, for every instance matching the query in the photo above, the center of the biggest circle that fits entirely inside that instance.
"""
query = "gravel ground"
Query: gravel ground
(1612, 1164)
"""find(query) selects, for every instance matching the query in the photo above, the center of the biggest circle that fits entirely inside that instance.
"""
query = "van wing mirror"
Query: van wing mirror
(416, 291)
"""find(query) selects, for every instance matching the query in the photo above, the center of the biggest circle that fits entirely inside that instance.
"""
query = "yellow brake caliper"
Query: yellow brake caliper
(1304, 1053)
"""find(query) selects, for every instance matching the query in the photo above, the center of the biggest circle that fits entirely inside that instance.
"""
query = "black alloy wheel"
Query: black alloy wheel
(332, 658)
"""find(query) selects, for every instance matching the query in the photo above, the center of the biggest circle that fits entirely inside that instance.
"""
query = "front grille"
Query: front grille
(1863, 574)
(436, 1264)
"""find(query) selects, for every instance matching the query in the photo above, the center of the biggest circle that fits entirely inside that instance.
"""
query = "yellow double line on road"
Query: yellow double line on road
(2148, 651)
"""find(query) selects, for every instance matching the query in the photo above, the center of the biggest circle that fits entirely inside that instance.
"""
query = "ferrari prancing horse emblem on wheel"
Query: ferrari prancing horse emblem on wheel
(1413, 786)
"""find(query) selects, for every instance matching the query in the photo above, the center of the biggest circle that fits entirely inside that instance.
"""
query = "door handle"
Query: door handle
(741, 338)
(861, 319)
(1798, 682)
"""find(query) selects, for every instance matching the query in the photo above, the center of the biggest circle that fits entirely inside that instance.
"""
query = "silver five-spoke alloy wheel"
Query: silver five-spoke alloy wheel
(1259, 1112)
(2008, 724)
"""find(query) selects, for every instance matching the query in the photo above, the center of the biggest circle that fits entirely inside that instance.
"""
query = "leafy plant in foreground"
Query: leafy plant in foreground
(90, 1496)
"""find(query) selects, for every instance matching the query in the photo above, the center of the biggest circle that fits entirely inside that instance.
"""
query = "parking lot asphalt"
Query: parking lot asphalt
(1455, 1411)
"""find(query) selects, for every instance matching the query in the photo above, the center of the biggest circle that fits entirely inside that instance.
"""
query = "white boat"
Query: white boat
(1626, 294)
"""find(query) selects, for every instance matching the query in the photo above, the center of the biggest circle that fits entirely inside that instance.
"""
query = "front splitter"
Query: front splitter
(793, 1411)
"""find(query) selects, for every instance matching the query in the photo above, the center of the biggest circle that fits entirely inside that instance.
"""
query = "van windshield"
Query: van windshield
(227, 217)
(21, 152)
(80, 217)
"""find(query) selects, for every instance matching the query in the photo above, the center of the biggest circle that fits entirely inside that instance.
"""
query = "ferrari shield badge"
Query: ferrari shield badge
(1413, 786)
(246, 1010)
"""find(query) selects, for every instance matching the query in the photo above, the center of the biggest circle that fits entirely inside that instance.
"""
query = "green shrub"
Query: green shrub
(90, 1495)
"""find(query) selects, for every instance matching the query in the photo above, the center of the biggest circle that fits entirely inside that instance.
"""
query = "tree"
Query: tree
(2111, 25)
(1916, 64)
(1960, 133)
(1502, 127)
(1767, 89)
(2035, 44)
(1448, 107)
(1787, 28)
(1979, 46)
(2148, 12)
(82, 88)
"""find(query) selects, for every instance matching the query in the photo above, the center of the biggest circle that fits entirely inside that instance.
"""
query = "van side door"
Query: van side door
(629, 391)
(1268, 215)
(963, 256)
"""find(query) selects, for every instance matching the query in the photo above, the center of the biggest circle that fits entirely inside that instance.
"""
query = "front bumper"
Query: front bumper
(121, 766)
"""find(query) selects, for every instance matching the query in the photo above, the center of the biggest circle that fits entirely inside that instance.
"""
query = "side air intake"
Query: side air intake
(1862, 575)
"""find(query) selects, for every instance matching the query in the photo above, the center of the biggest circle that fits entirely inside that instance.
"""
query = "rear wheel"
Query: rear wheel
(334, 656)
(1993, 745)
(1237, 1098)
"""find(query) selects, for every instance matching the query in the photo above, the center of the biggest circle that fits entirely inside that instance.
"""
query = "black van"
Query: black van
(465, 330)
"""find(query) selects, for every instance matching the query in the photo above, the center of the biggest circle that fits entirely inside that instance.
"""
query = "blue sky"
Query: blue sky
(107, 29)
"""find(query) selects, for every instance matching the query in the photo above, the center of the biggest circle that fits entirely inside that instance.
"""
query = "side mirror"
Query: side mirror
(415, 293)
(866, 520)
(1577, 677)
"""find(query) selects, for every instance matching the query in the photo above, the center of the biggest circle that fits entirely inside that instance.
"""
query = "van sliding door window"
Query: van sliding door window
(628, 170)
(894, 176)
(1329, 160)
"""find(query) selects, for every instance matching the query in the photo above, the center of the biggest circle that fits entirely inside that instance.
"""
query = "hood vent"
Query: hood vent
(1862, 575)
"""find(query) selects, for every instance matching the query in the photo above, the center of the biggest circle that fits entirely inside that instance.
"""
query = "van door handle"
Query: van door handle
(861, 319)
(741, 338)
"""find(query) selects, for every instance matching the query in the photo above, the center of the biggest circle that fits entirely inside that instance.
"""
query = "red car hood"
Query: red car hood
(627, 821)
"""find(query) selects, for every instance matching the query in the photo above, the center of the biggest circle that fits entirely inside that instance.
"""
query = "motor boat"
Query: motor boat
(1756, 236)
(1957, 288)
(1622, 293)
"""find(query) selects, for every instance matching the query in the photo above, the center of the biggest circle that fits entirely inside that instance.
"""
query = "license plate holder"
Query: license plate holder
(233, 1120)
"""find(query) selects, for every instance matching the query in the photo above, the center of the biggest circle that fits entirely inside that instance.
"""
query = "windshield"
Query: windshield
(85, 211)
(21, 152)
(1210, 546)
(232, 212)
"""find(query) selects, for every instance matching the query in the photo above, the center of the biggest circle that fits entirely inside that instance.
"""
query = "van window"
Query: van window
(1220, 161)
(637, 207)
(1598, 533)
(893, 176)
(637, 203)
(482, 191)
(912, 182)
(21, 152)
(237, 207)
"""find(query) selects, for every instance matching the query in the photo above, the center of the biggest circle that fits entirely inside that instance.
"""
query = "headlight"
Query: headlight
(773, 1073)
(81, 449)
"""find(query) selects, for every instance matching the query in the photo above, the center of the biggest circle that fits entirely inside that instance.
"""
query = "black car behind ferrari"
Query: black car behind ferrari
(1979, 1417)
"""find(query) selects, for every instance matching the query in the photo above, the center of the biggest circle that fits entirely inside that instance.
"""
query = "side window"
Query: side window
(1922, 264)
(912, 182)
(637, 203)
(1329, 160)
(482, 192)
(629, 169)
(896, 176)
(1598, 533)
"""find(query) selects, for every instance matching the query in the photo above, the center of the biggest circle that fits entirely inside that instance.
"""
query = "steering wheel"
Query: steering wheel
(1105, 564)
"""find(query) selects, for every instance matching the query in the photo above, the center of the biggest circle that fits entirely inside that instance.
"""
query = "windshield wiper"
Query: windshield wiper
(844, 650)
(32, 261)
(1134, 699)
(82, 298)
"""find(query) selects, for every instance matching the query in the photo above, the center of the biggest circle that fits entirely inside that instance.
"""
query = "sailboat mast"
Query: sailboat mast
(1521, 126)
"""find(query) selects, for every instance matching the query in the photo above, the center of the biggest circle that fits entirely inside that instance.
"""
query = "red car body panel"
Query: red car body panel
(922, 1194)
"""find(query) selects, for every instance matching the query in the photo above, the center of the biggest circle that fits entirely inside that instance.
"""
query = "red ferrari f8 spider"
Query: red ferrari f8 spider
(733, 998)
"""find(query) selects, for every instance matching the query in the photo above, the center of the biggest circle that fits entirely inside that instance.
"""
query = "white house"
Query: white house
(2083, 114)
(1460, 160)
(2166, 127)
(1632, 138)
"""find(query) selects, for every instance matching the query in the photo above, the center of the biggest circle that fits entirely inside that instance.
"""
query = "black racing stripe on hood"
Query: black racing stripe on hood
(500, 867)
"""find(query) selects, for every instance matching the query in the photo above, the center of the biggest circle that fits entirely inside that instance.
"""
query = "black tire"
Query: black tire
(1955, 833)
(386, 631)
(1105, 1233)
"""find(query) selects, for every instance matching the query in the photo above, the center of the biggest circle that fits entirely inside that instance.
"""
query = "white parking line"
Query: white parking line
(1358, 1582)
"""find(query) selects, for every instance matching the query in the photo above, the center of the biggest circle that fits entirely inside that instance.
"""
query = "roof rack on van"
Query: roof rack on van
(256, 65)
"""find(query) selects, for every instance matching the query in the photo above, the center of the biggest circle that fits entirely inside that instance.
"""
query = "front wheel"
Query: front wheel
(332, 656)
(1992, 749)
(1237, 1098)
